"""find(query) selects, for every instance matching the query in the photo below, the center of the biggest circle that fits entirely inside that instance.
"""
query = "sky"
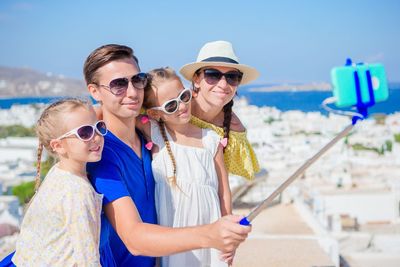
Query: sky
(287, 41)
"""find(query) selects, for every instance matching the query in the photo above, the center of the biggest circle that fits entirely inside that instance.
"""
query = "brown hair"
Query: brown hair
(48, 126)
(157, 77)
(227, 109)
(102, 56)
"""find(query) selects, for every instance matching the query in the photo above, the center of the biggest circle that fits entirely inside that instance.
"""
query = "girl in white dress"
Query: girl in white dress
(192, 186)
(62, 224)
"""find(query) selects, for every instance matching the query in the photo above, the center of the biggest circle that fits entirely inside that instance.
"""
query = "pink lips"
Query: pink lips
(132, 104)
(184, 113)
(96, 149)
(221, 93)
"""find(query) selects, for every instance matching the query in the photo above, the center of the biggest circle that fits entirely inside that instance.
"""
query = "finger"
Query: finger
(228, 260)
(236, 228)
(237, 232)
(234, 218)
(226, 255)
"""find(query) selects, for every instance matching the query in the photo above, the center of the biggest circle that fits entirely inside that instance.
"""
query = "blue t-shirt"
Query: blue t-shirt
(122, 173)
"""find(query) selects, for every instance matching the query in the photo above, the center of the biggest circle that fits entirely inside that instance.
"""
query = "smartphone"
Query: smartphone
(344, 85)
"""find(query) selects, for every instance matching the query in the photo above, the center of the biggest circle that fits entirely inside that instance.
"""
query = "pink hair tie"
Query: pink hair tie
(144, 119)
(149, 145)
(224, 142)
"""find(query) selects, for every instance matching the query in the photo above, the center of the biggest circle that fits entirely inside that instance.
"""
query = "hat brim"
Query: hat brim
(249, 73)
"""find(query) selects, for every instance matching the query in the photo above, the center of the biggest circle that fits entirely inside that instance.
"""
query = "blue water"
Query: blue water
(6, 103)
(305, 101)
(311, 100)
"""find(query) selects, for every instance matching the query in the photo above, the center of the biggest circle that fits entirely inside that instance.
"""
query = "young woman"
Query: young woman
(62, 224)
(215, 78)
(192, 186)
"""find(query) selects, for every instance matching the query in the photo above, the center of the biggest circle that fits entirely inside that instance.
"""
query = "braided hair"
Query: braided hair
(227, 109)
(171, 179)
(156, 77)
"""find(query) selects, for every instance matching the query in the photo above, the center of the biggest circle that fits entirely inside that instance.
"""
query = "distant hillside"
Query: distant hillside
(21, 82)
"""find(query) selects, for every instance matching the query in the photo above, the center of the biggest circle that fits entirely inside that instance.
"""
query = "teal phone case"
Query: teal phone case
(344, 87)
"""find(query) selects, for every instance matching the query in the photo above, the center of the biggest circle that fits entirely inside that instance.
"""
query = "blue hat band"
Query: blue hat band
(220, 59)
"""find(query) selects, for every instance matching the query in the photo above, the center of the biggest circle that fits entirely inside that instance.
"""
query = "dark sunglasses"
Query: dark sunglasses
(213, 76)
(172, 105)
(120, 85)
(86, 132)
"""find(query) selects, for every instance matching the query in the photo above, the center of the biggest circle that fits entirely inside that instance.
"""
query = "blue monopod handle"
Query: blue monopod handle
(244, 221)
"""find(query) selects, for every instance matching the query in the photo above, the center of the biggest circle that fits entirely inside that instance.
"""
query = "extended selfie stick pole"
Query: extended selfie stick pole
(297, 173)
(361, 107)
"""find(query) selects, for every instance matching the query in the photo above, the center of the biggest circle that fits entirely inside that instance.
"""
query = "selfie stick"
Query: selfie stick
(363, 113)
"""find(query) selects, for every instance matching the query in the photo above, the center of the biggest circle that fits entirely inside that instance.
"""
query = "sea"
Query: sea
(306, 101)
(310, 101)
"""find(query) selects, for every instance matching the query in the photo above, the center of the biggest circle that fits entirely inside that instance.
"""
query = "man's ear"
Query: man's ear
(94, 92)
(154, 114)
(57, 147)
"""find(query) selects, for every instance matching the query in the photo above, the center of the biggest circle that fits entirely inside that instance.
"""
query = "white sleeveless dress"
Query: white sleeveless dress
(195, 201)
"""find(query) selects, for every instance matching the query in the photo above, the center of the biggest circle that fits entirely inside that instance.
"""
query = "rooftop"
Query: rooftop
(282, 238)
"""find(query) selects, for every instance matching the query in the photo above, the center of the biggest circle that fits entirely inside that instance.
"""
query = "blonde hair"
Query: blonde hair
(157, 77)
(48, 127)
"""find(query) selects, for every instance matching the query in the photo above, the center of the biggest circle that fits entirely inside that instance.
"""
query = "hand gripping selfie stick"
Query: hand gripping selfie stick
(362, 108)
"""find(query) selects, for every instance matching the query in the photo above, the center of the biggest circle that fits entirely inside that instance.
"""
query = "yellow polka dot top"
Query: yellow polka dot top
(239, 155)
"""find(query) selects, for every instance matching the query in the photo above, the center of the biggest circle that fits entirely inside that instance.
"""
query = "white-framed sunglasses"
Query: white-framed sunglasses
(86, 132)
(172, 105)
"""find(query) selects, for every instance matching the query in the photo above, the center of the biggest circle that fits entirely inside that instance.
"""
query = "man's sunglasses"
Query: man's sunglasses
(172, 105)
(120, 85)
(86, 132)
(213, 76)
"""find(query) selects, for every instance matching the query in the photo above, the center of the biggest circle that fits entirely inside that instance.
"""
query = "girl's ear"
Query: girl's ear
(57, 147)
(94, 92)
(154, 114)
(195, 92)
(196, 84)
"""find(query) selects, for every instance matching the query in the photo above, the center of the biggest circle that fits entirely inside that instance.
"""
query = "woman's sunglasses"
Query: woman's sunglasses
(120, 85)
(172, 105)
(86, 132)
(213, 76)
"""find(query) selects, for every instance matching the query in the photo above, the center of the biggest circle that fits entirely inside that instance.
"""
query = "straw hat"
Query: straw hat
(218, 53)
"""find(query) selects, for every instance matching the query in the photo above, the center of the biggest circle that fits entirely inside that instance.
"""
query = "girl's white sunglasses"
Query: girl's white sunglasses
(172, 105)
(86, 132)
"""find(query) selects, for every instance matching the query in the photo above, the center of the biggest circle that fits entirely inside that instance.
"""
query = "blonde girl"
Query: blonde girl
(62, 224)
(192, 185)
